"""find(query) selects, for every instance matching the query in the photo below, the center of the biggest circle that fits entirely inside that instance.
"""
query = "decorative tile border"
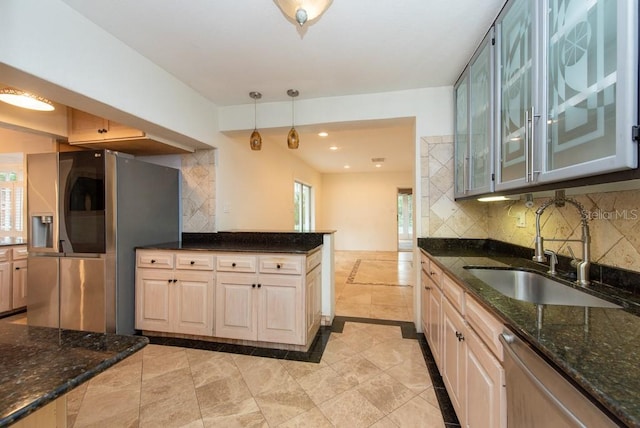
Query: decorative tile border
(351, 279)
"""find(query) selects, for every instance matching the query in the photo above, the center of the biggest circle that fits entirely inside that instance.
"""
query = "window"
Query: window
(302, 207)
(11, 200)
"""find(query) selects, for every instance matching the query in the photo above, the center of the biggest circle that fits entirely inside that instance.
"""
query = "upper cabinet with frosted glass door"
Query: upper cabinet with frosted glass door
(591, 101)
(474, 122)
(567, 89)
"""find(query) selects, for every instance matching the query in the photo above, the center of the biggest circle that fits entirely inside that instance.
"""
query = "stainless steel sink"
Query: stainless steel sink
(535, 288)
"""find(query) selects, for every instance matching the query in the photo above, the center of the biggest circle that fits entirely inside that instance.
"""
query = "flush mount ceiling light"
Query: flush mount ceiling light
(303, 11)
(26, 100)
(256, 140)
(323, 134)
(293, 141)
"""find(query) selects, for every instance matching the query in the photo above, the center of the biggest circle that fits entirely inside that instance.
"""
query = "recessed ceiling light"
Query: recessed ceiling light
(347, 167)
(378, 165)
(323, 134)
(333, 148)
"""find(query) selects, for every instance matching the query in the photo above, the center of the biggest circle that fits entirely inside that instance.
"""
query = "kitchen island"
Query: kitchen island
(39, 365)
(596, 349)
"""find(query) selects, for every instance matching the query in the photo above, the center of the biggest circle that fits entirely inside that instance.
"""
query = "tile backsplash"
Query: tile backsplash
(198, 191)
(613, 223)
(442, 217)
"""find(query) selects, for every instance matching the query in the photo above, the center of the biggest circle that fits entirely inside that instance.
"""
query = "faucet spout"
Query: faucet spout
(582, 266)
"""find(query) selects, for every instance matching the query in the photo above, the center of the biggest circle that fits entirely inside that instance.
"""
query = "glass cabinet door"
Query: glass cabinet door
(589, 83)
(481, 116)
(461, 137)
(516, 74)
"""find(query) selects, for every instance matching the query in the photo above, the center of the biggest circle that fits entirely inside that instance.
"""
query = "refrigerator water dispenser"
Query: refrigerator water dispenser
(42, 231)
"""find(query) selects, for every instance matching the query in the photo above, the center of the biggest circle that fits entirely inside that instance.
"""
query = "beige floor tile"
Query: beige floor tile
(392, 352)
(382, 333)
(207, 366)
(325, 384)
(388, 296)
(172, 412)
(412, 375)
(155, 365)
(337, 350)
(347, 309)
(417, 413)
(246, 420)
(116, 405)
(356, 368)
(385, 312)
(159, 350)
(351, 409)
(171, 384)
(310, 419)
(385, 392)
(262, 374)
(284, 402)
(298, 369)
(226, 397)
(125, 418)
(385, 423)
(429, 395)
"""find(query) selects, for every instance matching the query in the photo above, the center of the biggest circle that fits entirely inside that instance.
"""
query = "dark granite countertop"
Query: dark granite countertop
(7, 241)
(39, 364)
(595, 347)
(257, 242)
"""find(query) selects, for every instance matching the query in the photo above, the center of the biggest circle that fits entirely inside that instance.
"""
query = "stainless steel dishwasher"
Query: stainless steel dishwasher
(539, 396)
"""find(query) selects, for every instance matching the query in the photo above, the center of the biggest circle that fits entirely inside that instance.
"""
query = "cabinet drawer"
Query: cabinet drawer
(5, 254)
(288, 265)
(425, 263)
(435, 273)
(155, 259)
(20, 253)
(235, 263)
(314, 260)
(194, 260)
(485, 325)
(454, 293)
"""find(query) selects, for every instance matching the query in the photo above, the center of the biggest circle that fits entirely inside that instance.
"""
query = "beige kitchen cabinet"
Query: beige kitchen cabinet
(454, 351)
(266, 306)
(485, 386)
(463, 337)
(174, 292)
(19, 276)
(85, 127)
(6, 303)
(313, 294)
(431, 298)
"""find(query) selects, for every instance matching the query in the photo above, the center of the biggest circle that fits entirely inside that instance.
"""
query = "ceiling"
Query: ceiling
(225, 49)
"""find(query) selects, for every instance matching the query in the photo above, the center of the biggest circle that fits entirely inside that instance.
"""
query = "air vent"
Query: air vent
(377, 160)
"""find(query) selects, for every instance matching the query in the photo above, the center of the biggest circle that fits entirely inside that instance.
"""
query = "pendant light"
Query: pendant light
(303, 11)
(292, 139)
(255, 142)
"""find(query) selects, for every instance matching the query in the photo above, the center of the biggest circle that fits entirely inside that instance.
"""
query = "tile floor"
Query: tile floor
(374, 284)
(368, 376)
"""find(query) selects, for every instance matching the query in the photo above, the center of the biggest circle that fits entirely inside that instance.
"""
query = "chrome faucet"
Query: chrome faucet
(582, 266)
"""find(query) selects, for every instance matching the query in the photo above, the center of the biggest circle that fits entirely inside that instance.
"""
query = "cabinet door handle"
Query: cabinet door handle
(427, 288)
(192, 262)
(17, 268)
(169, 281)
(233, 264)
(278, 266)
(253, 286)
(153, 261)
(432, 273)
(259, 285)
(460, 336)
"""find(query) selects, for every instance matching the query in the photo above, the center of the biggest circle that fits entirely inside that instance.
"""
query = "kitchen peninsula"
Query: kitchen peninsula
(267, 288)
(39, 365)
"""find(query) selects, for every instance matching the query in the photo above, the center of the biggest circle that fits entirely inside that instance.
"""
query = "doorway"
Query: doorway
(405, 219)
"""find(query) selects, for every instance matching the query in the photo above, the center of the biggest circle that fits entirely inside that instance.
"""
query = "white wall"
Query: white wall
(255, 188)
(63, 56)
(362, 208)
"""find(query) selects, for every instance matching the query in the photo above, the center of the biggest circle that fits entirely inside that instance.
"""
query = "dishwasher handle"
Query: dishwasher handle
(508, 340)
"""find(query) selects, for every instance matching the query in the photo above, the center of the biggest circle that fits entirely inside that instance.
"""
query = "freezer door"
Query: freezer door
(42, 202)
(82, 294)
(42, 292)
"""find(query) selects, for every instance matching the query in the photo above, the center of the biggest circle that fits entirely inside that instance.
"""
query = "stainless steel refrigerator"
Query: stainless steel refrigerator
(87, 211)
